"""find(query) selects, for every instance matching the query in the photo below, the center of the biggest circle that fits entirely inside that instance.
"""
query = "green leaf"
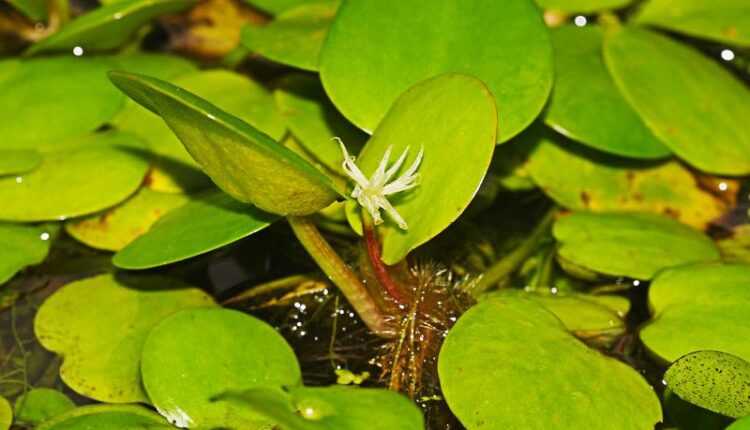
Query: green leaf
(508, 363)
(274, 7)
(246, 163)
(694, 105)
(34, 10)
(376, 50)
(195, 355)
(580, 178)
(21, 246)
(314, 121)
(52, 98)
(295, 37)
(6, 414)
(101, 171)
(699, 307)
(741, 424)
(687, 416)
(202, 225)
(630, 244)
(107, 27)
(736, 248)
(586, 106)
(162, 66)
(333, 408)
(721, 20)
(713, 380)
(110, 417)
(582, 6)
(175, 169)
(41, 404)
(14, 161)
(453, 118)
(115, 228)
(98, 325)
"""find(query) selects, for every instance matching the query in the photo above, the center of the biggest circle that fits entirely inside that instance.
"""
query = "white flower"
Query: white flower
(370, 193)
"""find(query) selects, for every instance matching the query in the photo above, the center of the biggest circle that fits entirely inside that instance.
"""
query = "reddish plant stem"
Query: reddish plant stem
(372, 244)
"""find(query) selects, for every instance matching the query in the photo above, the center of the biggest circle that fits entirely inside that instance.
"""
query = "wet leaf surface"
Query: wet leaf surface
(110, 417)
(18, 161)
(99, 326)
(40, 405)
(228, 351)
(202, 225)
(714, 380)
(706, 124)
(377, 50)
(500, 348)
(699, 307)
(22, 246)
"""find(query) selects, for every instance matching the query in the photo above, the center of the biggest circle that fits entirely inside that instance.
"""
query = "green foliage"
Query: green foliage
(40, 405)
(22, 246)
(110, 417)
(6, 414)
(14, 161)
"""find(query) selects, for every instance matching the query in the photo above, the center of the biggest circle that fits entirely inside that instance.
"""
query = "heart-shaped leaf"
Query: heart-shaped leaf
(377, 50)
(241, 160)
(202, 225)
(630, 244)
(691, 103)
(586, 106)
(21, 246)
(699, 307)
(18, 161)
(99, 325)
(227, 351)
(506, 352)
(453, 118)
(110, 417)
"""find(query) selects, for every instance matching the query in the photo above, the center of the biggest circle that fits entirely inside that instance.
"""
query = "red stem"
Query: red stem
(381, 270)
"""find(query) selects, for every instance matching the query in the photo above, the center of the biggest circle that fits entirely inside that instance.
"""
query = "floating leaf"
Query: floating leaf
(580, 178)
(99, 325)
(110, 417)
(277, 6)
(6, 414)
(453, 118)
(162, 66)
(100, 172)
(40, 405)
(699, 307)
(722, 20)
(333, 408)
(244, 162)
(377, 50)
(107, 27)
(175, 169)
(506, 352)
(18, 161)
(694, 105)
(227, 351)
(295, 37)
(713, 380)
(21, 246)
(115, 228)
(741, 424)
(314, 121)
(687, 416)
(630, 244)
(48, 99)
(583, 6)
(586, 106)
(202, 225)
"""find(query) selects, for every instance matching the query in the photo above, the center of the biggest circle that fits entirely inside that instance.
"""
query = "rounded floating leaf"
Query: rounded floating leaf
(506, 352)
(583, 6)
(99, 325)
(40, 405)
(314, 121)
(333, 408)
(202, 225)
(110, 417)
(243, 161)
(580, 178)
(100, 172)
(453, 118)
(713, 380)
(6, 414)
(694, 105)
(630, 244)
(295, 37)
(586, 106)
(377, 50)
(108, 26)
(115, 228)
(48, 99)
(18, 161)
(699, 307)
(21, 246)
(196, 355)
(722, 20)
